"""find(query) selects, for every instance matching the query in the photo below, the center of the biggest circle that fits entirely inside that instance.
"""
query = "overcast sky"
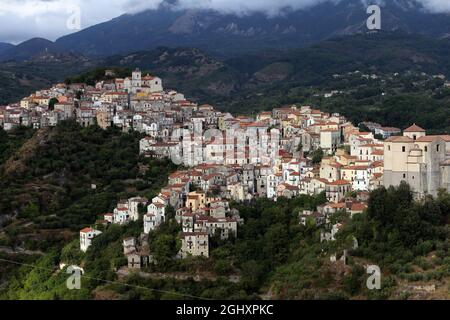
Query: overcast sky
(24, 19)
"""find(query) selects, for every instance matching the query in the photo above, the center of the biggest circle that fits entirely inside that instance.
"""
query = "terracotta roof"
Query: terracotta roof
(336, 205)
(288, 186)
(378, 152)
(336, 165)
(377, 164)
(414, 128)
(339, 183)
(322, 180)
(446, 138)
(358, 207)
(399, 139)
(377, 175)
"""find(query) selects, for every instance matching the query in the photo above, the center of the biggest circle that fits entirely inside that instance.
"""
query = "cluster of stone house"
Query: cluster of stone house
(138, 103)
(238, 158)
(44, 108)
(378, 129)
(214, 164)
(125, 211)
(200, 213)
(137, 252)
(200, 216)
(359, 170)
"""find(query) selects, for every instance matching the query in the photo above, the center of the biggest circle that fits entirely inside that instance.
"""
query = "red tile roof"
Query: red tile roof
(339, 183)
(446, 138)
(414, 128)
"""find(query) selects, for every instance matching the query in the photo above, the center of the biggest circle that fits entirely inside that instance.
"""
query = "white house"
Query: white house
(155, 216)
(121, 215)
(273, 180)
(86, 236)
(133, 207)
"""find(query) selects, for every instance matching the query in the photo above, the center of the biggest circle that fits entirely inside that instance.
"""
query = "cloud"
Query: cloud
(436, 6)
(248, 6)
(273, 7)
(23, 19)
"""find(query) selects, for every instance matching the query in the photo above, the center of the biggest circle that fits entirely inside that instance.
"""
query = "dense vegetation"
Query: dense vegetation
(53, 197)
(264, 242)
(74, 175)
(408, 240)
(91, 77)
(12, 141)
(404, 89)
(20, 79)
(396, 230)
(389, 100)
(272, 256)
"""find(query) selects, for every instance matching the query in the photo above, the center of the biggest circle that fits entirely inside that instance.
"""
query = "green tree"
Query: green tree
(317, 156)
(164, 250)
(30, 211)
(51, 103)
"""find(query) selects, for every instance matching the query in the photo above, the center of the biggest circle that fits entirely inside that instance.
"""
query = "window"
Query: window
(404, 176)
(389, 148)
(403, 149)
(437, 148)
(426, 149)
(414, 137)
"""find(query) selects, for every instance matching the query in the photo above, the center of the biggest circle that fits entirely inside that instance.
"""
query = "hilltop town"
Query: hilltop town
(287, 152)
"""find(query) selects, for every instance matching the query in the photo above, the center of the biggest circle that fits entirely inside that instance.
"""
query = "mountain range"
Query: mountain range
(5, 46)
(206, 78)
(228, 34)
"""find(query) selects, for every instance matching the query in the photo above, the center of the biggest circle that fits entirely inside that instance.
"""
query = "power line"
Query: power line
(110, 281)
